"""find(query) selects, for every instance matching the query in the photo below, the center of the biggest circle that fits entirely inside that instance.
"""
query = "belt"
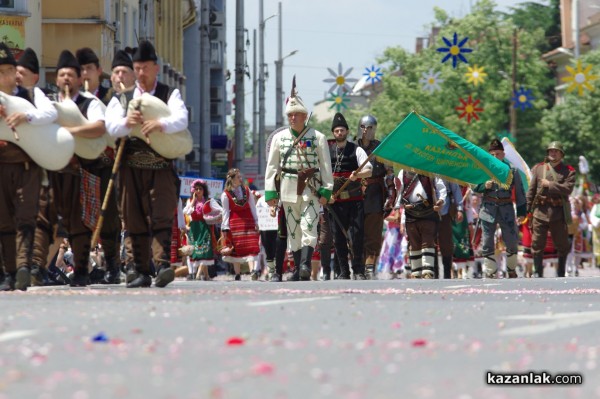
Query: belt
(371, 180)
(290, 171)
(498, 200)
(554, 202)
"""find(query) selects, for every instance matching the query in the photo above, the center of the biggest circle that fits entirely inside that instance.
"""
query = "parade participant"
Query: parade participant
(122, 71)
(20, 179)
(299, 159)
(463, 255)
(346, 215)
(497, 209)
(148, 184)
(67, 182)
(452, 209)
(91, 73)
(422, 198)
(200, 234)
(375, 195)
(28, 69)
(552, 181)
(240, 222)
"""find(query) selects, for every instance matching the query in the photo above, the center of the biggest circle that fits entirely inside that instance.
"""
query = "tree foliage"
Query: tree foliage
(490, 36)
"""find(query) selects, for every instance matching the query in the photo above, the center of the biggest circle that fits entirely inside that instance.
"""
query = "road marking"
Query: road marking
(550, 322)
(7, 336)
(295, 300)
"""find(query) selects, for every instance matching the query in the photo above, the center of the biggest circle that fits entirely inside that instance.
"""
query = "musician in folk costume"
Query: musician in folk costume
(346, 215)
(122, 71)
(91, 72)
(300, 160)
(497, 209)
(376, 195)
(422, 198)
(148, 184)
(78, 212)
(451, 210)
(20, 179)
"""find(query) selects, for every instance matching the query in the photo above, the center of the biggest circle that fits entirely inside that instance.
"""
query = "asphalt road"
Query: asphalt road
(336, 339)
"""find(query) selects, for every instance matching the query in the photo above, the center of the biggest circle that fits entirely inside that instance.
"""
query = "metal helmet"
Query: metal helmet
(367, 121)
(556, 145)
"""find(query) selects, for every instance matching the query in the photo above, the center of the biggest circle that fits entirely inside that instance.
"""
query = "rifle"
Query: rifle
(362, 165)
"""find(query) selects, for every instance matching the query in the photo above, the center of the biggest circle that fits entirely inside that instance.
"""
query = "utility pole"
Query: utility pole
(575, 22)
(513, 109)
(261, 93)
(279, 79)
(254, 96)
(204, 134)
(239, 85)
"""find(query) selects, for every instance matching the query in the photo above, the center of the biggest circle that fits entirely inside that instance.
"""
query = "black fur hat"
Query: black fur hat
(122, 58)
(86, 56)
(6, 56)
(29, 60)
(145, 52)
(68, 60)
(339, 120)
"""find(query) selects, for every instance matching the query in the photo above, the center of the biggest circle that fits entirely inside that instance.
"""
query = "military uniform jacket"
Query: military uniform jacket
(375, 191)
(547, 203)
(311, 152)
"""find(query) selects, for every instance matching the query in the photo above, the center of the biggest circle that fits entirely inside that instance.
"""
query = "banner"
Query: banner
(512, 155)
(12, 32)
(215, 186)
(422, 145)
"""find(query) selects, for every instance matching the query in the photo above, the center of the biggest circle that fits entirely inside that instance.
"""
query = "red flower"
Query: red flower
(236, 341)
(469, 109)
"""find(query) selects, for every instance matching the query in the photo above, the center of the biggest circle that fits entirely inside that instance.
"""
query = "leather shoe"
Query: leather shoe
(23, 278)
(276, 278)
(343, 276)
(80, 280)
(112, 277)
(142, 281)
(131, 273)
(164, 277)
(512, 274)
(8, 284)
(304, 273)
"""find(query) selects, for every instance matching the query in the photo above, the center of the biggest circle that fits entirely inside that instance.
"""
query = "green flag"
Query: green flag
(422, 145)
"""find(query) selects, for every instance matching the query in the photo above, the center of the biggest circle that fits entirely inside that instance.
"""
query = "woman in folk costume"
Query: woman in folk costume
(299, 159)
(240, 222)
(200, 234)
(595, 221)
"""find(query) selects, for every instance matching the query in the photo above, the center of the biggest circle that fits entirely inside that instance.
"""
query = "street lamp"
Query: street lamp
(279, 89)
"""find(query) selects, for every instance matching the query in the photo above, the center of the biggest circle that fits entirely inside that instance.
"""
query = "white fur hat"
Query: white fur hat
(294, 103)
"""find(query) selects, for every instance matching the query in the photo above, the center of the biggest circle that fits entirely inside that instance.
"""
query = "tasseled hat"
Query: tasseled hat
(68, 60)
(29, 60)
(145, 52)
(294, 102)
(86, 56)
(496, 145)
(122, 59)
(6, 56)
(339, 120)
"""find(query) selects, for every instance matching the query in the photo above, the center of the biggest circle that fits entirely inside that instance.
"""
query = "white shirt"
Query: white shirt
(44, 111)
(419, 190)
(116, 115)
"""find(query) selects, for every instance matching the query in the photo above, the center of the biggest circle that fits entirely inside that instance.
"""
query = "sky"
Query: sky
(328, 32)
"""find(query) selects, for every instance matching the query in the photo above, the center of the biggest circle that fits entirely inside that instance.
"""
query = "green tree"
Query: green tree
(490, 36)
(576, 123)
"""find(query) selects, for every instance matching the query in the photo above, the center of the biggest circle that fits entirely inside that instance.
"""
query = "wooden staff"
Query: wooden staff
(362, 165)
(109, 188)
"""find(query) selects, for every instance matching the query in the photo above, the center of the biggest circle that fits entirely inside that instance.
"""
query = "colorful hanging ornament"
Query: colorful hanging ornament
(579, 78)
(373, 75)
(431, 81)
(455, 50)
(522, 99)
(469, 109)
(340, 80)
(475, 75)
(339, 101)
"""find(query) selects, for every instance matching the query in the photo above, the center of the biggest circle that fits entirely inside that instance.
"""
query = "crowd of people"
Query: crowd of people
(330, 210)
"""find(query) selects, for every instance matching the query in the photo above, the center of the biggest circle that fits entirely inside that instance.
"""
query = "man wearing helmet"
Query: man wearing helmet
(375, 195)
(552, 181)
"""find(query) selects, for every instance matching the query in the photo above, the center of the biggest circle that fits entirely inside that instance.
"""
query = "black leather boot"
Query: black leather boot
(297, 261)
(113, 274)
(8, 284)
(562, 264)
(447, 263)
(538, 265)
(305, 263)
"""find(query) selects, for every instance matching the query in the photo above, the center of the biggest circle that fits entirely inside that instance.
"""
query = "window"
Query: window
(7, 3)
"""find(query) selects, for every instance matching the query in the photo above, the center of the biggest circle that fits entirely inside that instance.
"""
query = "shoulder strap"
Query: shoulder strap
(296, 141)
